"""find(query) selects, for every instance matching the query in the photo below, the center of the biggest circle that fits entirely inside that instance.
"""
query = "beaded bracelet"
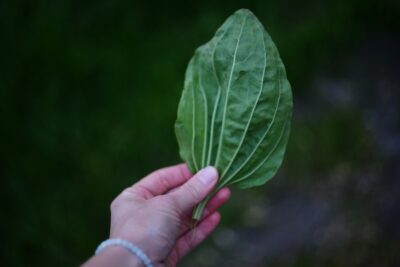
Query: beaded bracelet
(129, 246)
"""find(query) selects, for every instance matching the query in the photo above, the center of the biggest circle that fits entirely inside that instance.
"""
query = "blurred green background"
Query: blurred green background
(88, 98)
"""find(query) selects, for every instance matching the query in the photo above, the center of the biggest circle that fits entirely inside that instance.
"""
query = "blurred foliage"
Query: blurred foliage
(88, 98)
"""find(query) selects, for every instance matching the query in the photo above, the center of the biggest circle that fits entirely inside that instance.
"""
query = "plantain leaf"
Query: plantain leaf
(236, 106)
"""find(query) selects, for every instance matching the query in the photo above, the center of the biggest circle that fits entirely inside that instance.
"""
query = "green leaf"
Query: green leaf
(236, 106)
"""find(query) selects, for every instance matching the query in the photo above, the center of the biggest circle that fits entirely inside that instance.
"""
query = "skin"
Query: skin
(155, 215)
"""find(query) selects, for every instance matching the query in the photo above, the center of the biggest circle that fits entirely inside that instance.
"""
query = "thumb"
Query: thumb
(195, 189)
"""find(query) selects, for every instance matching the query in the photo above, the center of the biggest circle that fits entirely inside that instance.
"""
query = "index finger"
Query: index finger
(163, 180)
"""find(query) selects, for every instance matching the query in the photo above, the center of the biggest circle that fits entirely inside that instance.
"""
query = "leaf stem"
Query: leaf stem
(199, 209)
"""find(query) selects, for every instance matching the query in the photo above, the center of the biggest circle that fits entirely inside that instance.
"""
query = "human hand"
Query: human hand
(155, 213)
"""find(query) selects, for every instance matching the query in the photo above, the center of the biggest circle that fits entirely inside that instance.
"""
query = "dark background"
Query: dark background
(88, 98)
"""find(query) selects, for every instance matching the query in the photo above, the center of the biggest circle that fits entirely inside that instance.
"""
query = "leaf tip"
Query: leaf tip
(245, 12)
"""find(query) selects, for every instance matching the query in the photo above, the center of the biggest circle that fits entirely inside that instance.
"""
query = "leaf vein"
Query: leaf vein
(193, 129)
(227, 94)
(265, 134)
(251, 114)
(266, 158)
(205, 119)
(216, 101)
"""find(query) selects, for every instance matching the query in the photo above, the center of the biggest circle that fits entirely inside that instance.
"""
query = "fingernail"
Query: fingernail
(208, 175)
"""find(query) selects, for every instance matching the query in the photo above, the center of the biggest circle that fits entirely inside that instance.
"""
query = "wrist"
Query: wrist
(114, 256)
(126, 246)
(120, 256)
(124, 256)
(144, 241)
